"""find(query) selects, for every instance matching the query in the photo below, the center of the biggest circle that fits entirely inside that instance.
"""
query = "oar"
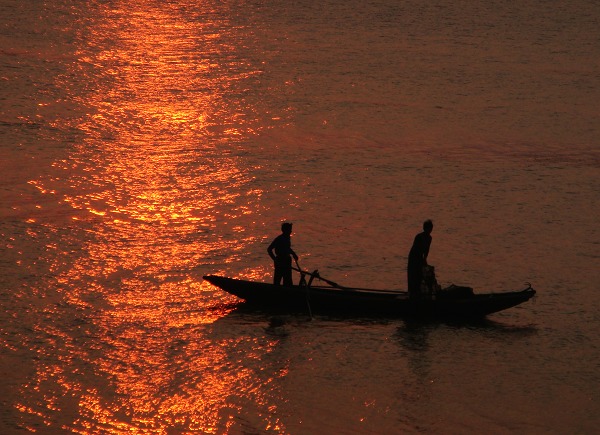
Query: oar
(316, 275)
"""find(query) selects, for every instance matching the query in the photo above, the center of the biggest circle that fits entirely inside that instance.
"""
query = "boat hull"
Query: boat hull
(365, 302)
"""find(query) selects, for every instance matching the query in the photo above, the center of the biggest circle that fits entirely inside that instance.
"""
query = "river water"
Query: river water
(146, 143)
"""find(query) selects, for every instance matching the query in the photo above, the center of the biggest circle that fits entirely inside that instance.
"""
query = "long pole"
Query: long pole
(316, 275)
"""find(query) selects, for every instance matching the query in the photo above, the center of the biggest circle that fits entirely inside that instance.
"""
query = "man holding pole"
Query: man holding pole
(280, 250)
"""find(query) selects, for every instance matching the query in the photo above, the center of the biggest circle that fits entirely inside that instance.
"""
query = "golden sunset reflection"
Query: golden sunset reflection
(150, 183)
(146, 143)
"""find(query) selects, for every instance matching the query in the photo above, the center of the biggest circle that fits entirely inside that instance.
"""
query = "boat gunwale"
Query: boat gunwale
(365, 291)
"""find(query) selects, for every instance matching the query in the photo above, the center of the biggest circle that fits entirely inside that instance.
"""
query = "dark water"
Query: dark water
(146, 143)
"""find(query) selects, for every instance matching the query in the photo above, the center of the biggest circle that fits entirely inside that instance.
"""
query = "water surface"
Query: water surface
(144, 144)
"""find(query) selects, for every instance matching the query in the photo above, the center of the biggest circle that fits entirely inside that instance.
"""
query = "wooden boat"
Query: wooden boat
(337, 300)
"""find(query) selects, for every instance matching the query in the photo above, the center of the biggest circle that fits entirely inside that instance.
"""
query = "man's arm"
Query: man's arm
(270, 250)
(426, 249)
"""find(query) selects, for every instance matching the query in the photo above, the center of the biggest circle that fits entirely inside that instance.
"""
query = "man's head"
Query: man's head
(428, 226)
(286, 228)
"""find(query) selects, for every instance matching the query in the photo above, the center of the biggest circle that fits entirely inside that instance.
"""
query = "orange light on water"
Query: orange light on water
(146, 179)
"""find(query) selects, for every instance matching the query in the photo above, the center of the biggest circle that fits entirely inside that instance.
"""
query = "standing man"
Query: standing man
(417, 259)
(282, 247)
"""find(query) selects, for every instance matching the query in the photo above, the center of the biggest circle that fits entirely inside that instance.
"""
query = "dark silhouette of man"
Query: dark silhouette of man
(417, 259)
(280, 250)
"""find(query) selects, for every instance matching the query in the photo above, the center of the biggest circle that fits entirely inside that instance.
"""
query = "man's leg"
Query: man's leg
(287, 277)
(277, 275)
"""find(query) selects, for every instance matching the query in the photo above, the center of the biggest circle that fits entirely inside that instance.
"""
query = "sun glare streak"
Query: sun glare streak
(150, 183)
